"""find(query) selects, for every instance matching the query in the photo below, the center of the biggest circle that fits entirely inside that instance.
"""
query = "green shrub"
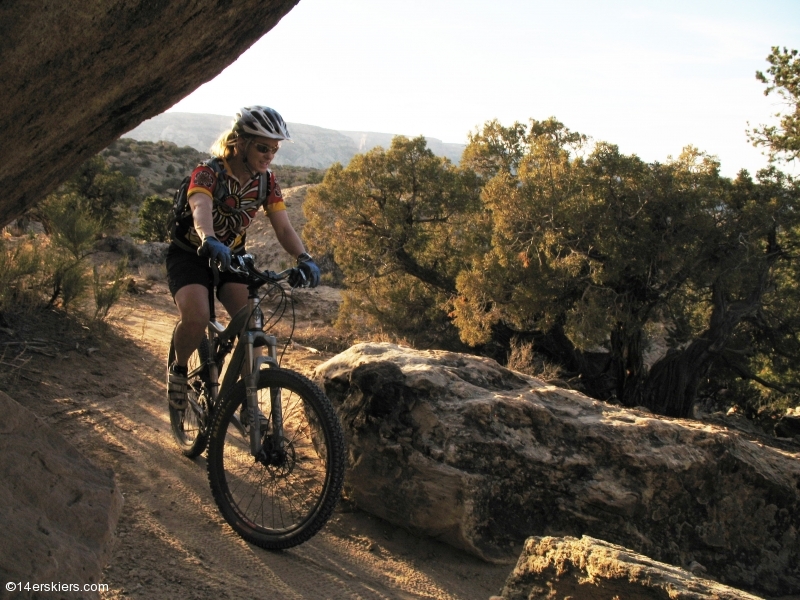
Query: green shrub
(20, 266)
(172, 182)
(64, 277)
(73, 232)
(73, 283)
(153, 219)
(315, 177)
(108, 286)
(71, 224)
(130, 170)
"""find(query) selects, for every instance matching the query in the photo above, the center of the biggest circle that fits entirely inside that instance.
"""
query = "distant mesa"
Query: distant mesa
(313, 146)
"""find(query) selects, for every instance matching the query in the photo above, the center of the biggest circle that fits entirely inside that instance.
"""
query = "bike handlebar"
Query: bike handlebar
(246, 267)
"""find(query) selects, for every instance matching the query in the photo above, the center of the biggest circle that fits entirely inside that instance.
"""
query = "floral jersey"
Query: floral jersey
(234, 213)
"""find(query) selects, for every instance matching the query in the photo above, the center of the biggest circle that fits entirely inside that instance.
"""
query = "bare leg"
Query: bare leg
(192, 302)
(233, 297)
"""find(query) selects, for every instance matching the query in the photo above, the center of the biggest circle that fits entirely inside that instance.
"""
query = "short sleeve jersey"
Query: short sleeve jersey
(236, 210)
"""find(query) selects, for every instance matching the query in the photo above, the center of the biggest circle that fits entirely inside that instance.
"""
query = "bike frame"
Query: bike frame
(245, 363)
(287, 489)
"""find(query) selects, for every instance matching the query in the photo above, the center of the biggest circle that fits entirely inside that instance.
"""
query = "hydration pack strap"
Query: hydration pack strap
(263, 187)
(219, 193)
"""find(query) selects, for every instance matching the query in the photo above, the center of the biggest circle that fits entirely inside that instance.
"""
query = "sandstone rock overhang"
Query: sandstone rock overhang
(77, 75)
(461, 449)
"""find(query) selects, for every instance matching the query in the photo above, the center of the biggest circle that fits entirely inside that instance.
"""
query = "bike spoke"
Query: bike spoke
(284, 495)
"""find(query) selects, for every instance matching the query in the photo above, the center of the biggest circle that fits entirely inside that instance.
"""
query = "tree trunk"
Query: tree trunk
(591, 368)
(671, 386)
(627, 364)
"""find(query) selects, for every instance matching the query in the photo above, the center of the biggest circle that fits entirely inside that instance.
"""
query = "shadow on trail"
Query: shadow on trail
(102, 388)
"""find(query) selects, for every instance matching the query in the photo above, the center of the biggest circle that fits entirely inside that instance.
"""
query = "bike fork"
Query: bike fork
(251, 390)
(251, 387)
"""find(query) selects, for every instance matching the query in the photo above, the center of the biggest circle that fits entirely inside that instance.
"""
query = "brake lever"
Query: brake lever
(303, 279)
(239, 265)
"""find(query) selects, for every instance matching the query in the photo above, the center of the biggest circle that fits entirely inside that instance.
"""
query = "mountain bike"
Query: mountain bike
(276, 453)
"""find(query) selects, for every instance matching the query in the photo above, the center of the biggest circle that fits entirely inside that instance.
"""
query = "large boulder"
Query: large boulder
(77, 75)
(58, 510)
(461, 449)
(589, 568)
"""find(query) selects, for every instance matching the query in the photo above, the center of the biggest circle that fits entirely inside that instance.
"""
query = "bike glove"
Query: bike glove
(309, 270)
(216, 251)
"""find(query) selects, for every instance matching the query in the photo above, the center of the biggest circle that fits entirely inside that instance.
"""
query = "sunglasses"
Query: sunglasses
(267, 149)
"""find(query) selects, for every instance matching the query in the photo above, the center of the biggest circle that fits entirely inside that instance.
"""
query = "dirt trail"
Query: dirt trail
(106, 395)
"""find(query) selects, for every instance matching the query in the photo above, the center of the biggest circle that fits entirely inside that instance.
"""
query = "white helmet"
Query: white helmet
(261, 121)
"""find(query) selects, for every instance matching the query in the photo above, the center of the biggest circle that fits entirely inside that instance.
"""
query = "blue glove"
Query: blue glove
(216, 251)
(309, 270)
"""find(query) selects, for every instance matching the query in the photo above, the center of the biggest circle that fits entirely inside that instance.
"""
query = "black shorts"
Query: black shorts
(184, 268)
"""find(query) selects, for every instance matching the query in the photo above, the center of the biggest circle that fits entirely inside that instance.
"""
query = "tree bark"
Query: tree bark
(671, 386)
(627, 363)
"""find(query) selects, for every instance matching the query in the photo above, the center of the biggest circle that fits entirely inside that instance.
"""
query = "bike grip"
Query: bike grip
(297, 278)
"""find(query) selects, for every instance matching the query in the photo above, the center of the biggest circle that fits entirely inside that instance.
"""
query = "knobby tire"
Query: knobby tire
(283, 502)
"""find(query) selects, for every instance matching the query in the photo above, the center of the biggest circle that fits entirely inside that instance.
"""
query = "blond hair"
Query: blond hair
(223, 147)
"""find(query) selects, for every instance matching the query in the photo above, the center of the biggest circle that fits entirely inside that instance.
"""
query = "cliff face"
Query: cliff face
(77, 75)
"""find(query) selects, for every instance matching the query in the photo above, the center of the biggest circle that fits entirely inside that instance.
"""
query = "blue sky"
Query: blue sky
(651, 77)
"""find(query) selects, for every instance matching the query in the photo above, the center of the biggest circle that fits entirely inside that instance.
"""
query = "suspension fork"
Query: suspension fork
(252, 368)
(254, 338)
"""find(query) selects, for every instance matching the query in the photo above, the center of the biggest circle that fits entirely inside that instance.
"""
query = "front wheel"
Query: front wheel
(190, 426)
(285, 495)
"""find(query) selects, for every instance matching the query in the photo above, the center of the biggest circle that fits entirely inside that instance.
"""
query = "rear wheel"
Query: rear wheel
(285, 495)
(190, 426)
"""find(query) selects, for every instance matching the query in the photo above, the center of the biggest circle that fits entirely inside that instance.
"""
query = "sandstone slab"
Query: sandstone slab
(461, 449)
(588, 568)
(57, 509)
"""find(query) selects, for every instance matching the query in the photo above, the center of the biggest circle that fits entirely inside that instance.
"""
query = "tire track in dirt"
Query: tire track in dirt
(171, 540)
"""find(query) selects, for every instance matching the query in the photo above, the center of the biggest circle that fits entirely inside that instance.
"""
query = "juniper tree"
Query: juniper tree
(397, 223)
(591, 249)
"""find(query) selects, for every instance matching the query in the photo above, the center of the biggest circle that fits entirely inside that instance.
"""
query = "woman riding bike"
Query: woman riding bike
(214, 225)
